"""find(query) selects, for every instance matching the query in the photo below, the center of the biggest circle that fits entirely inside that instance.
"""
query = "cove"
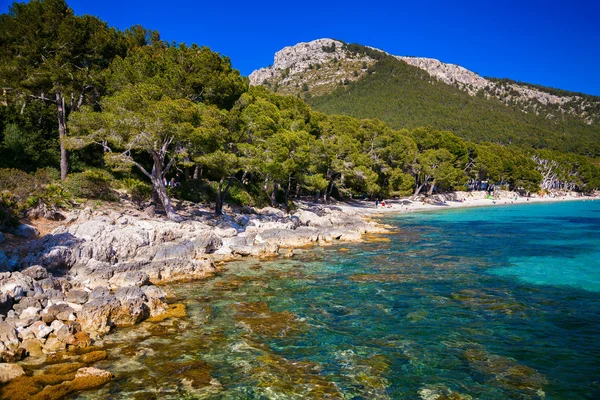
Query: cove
(490, 303)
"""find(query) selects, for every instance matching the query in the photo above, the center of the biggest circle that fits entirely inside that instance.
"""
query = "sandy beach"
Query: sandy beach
(454, 200)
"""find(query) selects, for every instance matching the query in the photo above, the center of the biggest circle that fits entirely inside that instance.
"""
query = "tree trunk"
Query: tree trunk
(431, 187)
(62, 134)
(274, 194)
(221, 195)
(287, 192)
(158, 185)
(161, 191)
(329, 190)
(196, 171)
(418, 189)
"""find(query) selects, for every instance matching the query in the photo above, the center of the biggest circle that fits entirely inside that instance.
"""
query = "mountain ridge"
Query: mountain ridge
(292, 62)
(335, 77)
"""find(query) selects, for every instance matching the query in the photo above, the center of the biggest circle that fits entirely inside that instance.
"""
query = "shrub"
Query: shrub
(139, 191)
(92, 184)
(8, 211)
(22, 191)
(198, 191)
(238, 195)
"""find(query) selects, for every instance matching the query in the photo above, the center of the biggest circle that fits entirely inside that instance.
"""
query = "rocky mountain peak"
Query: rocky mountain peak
(319, 66)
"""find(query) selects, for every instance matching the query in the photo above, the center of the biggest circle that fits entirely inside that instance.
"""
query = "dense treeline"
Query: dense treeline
(174, 120)
(408, 97)
(546, 89)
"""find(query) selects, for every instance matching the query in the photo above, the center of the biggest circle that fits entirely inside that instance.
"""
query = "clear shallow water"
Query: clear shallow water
(491, 303)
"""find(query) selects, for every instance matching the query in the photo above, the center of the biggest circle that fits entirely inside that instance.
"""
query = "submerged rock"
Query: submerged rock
(10, 371)
(260, 319)
(506, 372)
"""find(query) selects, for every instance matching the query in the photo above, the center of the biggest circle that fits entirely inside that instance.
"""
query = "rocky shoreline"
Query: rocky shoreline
(99, 269)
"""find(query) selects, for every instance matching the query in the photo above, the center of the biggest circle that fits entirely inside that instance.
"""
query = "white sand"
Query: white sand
(470, 199)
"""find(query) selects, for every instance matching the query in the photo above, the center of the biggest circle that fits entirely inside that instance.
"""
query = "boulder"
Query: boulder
(49, 283)
(36, 272)
(99, 291)
(26, 302)
(77, 296)
(6, 303)
(130, 293)
(64, 332)
(9, 342)
(10, 371)
(133, 307)
(41, 330)
(54, 295)
(16, 285)
(60, 311)
(156, 300)
(26, 231)
(30, 313)
(53, 345)
(96, 315)
(137, 278)
(32, 346)
(130, 312)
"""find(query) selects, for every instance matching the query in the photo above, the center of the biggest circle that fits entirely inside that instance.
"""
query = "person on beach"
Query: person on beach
(376, 203)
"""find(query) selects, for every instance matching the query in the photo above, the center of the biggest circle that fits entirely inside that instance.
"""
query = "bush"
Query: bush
(198, 191)
(22, 191)
(138, 190)
(92, 184)
(8, 211)
(238, 195)
(52, 195)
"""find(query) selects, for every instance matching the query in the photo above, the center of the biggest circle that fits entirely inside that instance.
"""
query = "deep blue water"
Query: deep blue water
(491, 303)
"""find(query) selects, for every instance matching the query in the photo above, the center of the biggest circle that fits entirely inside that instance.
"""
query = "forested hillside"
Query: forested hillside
(89, 112)
(407, 97)
(351, 79)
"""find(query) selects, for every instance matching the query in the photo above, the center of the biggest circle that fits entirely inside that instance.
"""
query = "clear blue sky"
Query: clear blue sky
(553, 43)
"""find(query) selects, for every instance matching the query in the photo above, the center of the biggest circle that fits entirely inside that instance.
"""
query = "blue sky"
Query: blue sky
(553, 43)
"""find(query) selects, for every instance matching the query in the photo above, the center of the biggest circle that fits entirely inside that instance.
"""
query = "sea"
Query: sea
(480, 303)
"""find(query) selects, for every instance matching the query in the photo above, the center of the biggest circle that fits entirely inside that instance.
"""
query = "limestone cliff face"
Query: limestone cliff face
(315, 67)
(318, 67)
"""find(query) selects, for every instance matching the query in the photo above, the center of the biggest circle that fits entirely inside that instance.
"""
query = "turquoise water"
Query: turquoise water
(489, 303)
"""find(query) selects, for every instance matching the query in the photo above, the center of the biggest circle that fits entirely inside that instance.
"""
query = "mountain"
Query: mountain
(340, 78)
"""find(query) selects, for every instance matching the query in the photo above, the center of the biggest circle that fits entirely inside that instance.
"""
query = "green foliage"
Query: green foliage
(240, 196)
(8, 211)
(198, 191)
(92, 184)
(21, 191)
(28, 140)
(139, 191)
(157, 106)
(365, 51)
(329, 49)
(407, 97)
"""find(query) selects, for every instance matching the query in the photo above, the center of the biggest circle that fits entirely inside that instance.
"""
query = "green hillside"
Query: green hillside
(408, 97)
